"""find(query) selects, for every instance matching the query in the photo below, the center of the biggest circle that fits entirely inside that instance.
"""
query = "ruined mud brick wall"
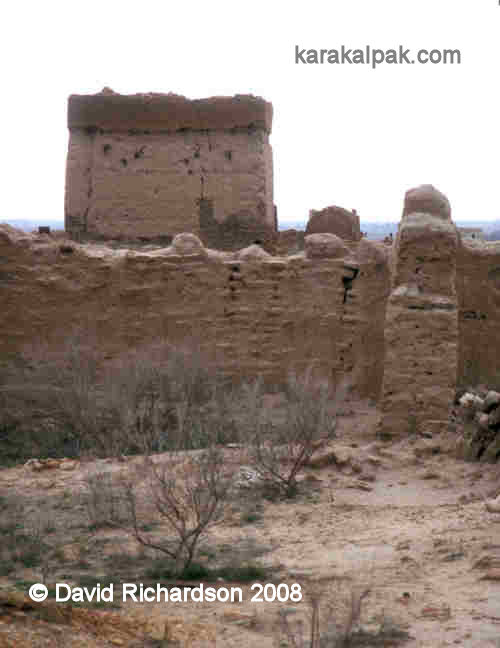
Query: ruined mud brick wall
(421, 328)
(252, 312)
(151, 166)
(404, 325)
(335, 220)
(290, 241)
(478, 275)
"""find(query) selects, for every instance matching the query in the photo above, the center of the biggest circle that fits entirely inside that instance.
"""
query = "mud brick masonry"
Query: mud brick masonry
(403, 324)
(150, 166)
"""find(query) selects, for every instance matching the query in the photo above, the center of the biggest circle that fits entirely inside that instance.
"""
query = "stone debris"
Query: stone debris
(38, 465)
(441, 613)
(491, 402)
(493, 506)
(471, 401)
(480, 429)
(246, 477)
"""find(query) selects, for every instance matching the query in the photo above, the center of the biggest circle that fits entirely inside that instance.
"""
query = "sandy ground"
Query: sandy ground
(406, 520)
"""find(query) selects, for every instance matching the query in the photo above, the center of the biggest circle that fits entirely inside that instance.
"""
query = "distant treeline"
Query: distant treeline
(491, 229)
(373, 230)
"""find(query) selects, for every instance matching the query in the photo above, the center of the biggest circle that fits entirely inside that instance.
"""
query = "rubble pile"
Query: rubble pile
(481, 430)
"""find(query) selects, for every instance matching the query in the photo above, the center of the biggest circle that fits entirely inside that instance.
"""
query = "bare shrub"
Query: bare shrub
(279, 452)
(24, 540)
(68, 400)
(334, 622)
(103, 500)
(160, 391)
(187, 491)
(59, 395)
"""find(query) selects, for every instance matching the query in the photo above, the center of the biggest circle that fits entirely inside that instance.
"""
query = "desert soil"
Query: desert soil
(407, 520)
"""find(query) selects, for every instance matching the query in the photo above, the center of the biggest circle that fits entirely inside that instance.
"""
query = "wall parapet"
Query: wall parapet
(167, 112)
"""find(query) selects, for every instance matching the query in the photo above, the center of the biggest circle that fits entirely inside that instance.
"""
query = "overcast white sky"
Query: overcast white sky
(342, 134)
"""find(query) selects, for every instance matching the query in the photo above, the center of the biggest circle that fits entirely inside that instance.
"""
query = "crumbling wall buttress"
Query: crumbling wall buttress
(421, 326)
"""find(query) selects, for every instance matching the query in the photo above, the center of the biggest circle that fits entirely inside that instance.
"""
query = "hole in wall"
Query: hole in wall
(124, 162)
(228, 155)
(348, 281)
(106, 148)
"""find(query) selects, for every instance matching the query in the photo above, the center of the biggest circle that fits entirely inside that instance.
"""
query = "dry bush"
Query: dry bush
(172, 399)
(279, 452)
(53, 397)
(24, 539)
(103, 500)
(334, 622)
(318, 632)
(68, 401)
(187, 492)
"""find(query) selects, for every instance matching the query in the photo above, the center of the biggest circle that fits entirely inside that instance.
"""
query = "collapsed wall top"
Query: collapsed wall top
(426, 199)
(108, 110)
